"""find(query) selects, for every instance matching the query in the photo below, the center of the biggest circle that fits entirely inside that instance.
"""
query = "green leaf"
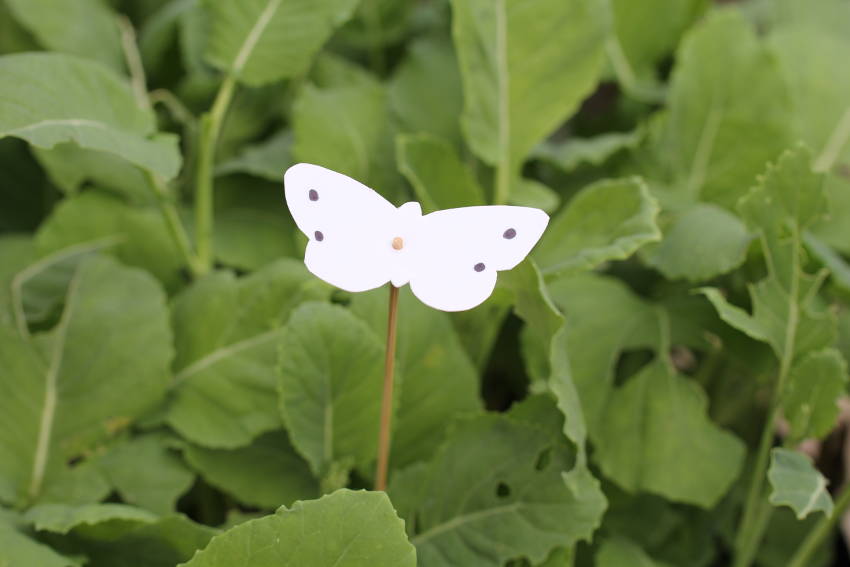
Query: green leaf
(434, 170)
(262, 41)
(621, 552)
(425, 93)
(145, 472)
(226, 333)
(521, 507)
(49, 98)
(796, 483)
(113, 338)
(121, 536)
(38, 290)
(525, 68)
(18, 549)
(331, 369)
(702, 242)
(532, 193)
(811, 396)
(267, 159)
(249, 238)
(267, 473)
(727, 114)
(430, 365)
(575, 152)
(87, 28)
(346, 129)
(142, 235)
(608, 220)
(656, 427)
(343, 529)
(17, 251)
(789, 199)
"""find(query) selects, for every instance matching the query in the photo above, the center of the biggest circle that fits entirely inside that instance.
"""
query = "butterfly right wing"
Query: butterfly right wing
(348, 225)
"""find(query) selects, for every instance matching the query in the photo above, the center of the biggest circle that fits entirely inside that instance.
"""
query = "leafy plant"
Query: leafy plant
(657, 385)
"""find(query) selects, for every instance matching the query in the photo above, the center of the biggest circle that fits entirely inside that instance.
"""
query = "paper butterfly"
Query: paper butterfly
(360, 241)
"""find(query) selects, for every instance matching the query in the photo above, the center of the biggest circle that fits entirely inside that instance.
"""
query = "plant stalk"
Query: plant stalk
(204, 202)
(384, 433)
(174, 224)
(814, 539)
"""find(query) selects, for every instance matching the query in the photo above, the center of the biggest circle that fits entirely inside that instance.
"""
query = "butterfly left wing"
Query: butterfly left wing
(459, 251)
(349, 225)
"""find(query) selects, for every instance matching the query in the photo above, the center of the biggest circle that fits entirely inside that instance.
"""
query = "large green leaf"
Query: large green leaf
(425, 91)
(267, 473)
(727, 114)
(815, 383)
(789, 199)
(331, 368)
(141, 235)
(17, 251)
(655, 428)
(262, 41)
(620, 552)
(116, 535)
(66, 390)
(49, 98)
(608, 220)
(797, 484)
(575, 152)
(145, 472)
(525, 68)
(268, 159)
(700, 243)
(438, 177)
(18, 549)
(435, 380)
(343, 529)
(226, 333)
(85, 27)
(521, 506)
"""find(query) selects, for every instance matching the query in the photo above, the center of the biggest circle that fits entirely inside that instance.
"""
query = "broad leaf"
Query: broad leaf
(655, 428)
(140, 234)
(226, 333)
(608, 220)
(439, 179)
(435, 380)
(727, 113)
(112, 338)
(331, 369)
(525, 67)
(347, 129)
(262, 41)
(84, 27)
(814, 386)
(575, 152)
(425, 93)
(18, 549)
(343, 529)
(797, 484)
(267, 473)
(145, 472)
(702, 242)
(522, 507)
(47, 99)
(268, 159)
(620, 552)
(116, 535)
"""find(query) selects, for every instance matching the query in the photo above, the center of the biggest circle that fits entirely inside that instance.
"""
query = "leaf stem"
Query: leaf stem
(822, 529)
(387, 398)
(173, 223)
(756, 510)
(504, 165)
(210, 129)
(133, 58)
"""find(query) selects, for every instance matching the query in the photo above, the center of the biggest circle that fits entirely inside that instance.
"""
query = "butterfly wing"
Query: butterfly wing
(459, 251)
(348, 225)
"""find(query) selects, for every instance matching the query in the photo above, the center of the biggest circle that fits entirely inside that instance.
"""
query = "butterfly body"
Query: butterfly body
(360, 241)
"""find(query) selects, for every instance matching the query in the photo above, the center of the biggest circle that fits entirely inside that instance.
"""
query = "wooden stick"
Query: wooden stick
(387, 399)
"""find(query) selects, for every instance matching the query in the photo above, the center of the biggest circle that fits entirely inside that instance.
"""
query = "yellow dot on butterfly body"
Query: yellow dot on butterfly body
(398, 243)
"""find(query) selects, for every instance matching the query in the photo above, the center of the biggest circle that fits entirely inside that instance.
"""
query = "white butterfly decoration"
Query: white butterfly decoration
(360, 241)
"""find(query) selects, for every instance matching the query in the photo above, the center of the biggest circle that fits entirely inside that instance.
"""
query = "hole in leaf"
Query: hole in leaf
(503, 490)
(543, 459)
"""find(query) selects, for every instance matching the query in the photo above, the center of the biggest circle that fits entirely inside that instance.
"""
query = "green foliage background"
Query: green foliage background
(176, 388)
